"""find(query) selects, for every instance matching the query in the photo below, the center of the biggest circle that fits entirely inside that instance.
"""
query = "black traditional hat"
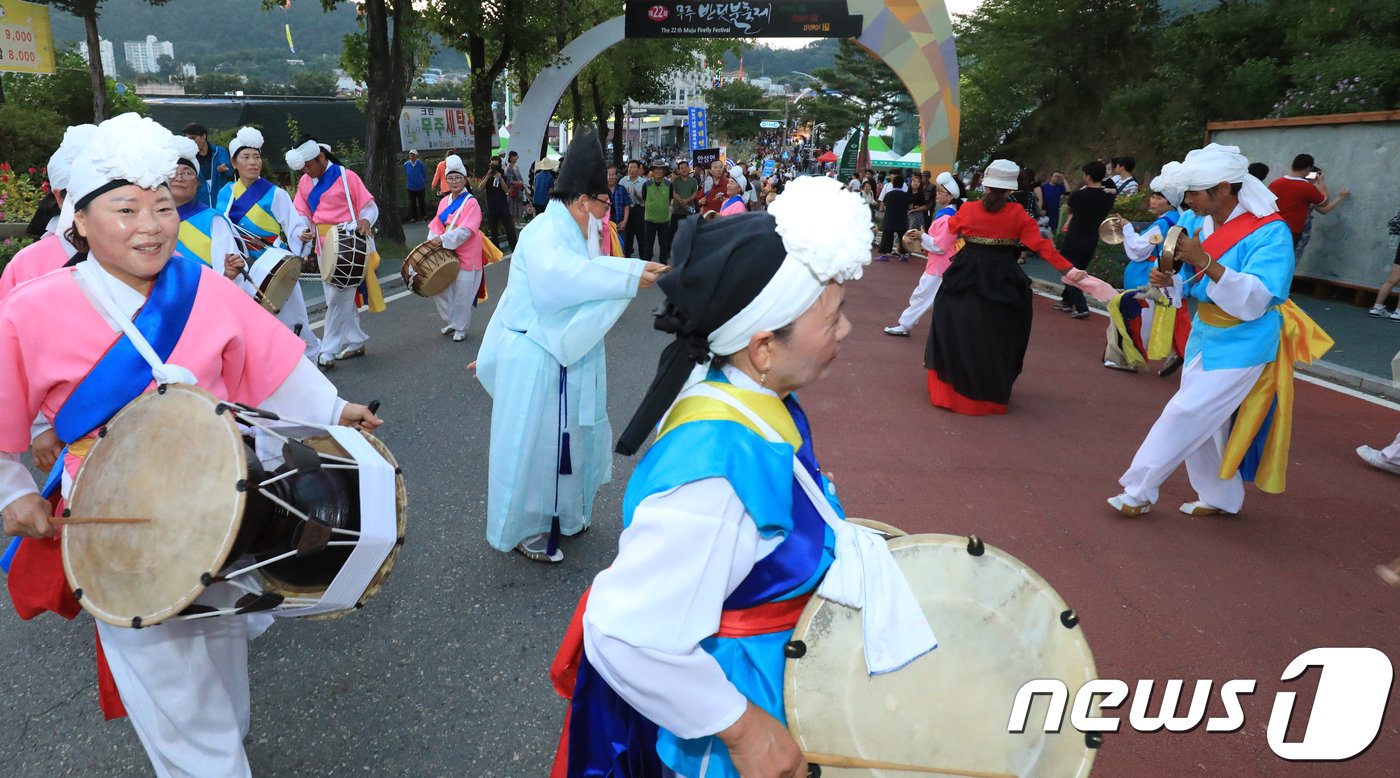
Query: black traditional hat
(584, 171)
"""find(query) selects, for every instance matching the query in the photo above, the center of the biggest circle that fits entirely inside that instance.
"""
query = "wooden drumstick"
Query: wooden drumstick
(833, 760)
(99, 520)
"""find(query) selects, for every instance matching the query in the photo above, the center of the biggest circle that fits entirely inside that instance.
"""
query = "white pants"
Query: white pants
(921, 301)
(293, 313)
(455, 303)
(1391, 453)
(1193, 429)
(342, 321)
(184, 685)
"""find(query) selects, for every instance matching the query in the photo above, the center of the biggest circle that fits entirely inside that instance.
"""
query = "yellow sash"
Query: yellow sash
(701, 408)
(1125, 340)
(202, 245)
(1301, 340)
(1159, 341)
(257, 215)
(376, 297)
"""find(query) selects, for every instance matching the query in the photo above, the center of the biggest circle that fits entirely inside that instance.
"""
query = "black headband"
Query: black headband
(720, 267)
(87, 199)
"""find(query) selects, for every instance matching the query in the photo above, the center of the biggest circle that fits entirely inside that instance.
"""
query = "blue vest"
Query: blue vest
(1138, 274)
(1267, 254)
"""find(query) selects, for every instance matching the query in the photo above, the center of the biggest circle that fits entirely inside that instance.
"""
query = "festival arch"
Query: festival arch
(913, 37)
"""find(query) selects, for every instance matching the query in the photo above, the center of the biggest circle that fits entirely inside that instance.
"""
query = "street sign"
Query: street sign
(769, 165)
(699, 135)
(742, 19)
(769, 124)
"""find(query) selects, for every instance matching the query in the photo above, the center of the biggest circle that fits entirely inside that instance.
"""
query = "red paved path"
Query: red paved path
(1160, 597)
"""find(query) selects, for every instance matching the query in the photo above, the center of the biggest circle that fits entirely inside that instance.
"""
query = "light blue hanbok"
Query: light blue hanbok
(542, 362)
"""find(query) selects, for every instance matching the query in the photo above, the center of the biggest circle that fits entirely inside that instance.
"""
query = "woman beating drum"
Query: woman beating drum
(184, 684)
(457, 227)
(675, 660)
(264, 216)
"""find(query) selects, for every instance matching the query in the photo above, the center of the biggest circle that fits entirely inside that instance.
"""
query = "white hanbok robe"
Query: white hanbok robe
(559, 303)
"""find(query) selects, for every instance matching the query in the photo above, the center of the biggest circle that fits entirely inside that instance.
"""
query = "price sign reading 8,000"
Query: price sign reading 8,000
(13, 55)
(19, 36)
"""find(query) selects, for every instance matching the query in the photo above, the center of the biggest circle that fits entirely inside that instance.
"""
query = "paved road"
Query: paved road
(444, 672)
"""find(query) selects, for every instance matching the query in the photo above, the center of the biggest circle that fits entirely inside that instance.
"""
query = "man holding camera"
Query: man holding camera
(1302, 189)
(498, 203)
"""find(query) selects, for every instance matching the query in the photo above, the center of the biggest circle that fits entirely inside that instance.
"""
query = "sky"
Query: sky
(955, 7)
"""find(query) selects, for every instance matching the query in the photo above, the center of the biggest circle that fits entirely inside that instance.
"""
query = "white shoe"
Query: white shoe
(1373, 458)
(1127, 508)
(351, 353)
(1395, 316)
(536, 547)
(897, 331)
(445, 330)
(325, 362)
(1111, 365)
(1199, 508)
(459, 337)
(1379, 311)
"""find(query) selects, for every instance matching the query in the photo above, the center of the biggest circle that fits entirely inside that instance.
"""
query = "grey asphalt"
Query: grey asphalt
(445, 671)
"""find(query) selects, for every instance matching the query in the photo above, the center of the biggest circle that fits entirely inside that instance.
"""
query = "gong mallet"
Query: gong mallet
(816, 760)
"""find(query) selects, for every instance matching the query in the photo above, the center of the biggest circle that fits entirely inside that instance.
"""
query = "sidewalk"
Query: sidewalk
(1360, 359)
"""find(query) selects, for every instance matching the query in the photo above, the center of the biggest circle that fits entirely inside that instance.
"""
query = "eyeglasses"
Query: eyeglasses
(604, 199)
(185, 174)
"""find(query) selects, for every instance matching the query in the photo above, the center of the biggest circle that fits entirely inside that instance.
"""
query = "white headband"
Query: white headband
(1216, 164)
(247, 138)
(455, 165)
(75, 139)
(124, 148)
(299, 156)
(946, 180)
(1171, 183)
(826, 232)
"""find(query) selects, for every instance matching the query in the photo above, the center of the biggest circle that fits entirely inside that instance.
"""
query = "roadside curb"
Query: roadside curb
(1345, 377)
(387, 284)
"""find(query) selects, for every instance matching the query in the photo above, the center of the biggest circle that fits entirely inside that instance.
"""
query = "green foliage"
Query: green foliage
(729, 107)
(313, 83)
(1050, 84)
(68, 92)
(857, 90)
(21, 189)
(28, 135)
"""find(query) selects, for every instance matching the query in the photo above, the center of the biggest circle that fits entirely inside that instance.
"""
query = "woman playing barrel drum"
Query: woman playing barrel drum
(457, 227)
(131, 314)
(675, 660)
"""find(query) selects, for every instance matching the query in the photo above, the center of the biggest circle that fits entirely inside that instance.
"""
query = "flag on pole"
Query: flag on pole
(290, 45)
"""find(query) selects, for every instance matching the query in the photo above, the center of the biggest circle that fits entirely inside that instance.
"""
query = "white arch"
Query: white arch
(532, 117)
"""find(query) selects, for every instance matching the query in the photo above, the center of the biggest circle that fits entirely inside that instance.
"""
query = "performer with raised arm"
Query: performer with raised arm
(674, 662)
(135, 316)
(940, 247)
(52, 251)
(1231, 419)
(329, 195)
(542, 361)
(263, 214)
(457, 227)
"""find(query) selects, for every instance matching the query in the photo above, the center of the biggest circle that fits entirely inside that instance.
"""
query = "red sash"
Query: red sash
(1231, 232)
(764, 619)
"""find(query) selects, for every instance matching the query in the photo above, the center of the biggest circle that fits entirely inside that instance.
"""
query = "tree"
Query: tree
(66, 93)
(870, 91)
(488, 34)
(216, 84)
(87, 10)
(731, 109)
(313, 83)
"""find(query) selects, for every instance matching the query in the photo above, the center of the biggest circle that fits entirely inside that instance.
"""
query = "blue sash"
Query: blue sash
(250, 198)
(452, 207)
(313, 200)
(1166, 222)
(123, 374)
(192, 208)
(946, 210)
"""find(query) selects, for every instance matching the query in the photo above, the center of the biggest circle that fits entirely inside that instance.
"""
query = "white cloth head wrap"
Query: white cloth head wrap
(124, 148)
(1216, 164)
(187, 150)
(946, 180)
(299, 156)
(75, 139)
(1001, 174)
(1171, 183)
(826, 231)
(247, 138)
(455, 165)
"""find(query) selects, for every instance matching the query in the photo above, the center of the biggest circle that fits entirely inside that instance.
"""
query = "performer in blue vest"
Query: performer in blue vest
(205, 234)
(675, 662)
(263, 214)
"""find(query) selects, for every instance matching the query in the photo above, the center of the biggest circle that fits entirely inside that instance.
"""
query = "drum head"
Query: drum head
(438, 272)
(330, 250)
(167, 457)
(276, 273)
(327, 445)
(998, 626)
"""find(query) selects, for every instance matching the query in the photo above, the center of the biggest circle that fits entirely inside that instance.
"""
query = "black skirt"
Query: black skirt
(981, 327)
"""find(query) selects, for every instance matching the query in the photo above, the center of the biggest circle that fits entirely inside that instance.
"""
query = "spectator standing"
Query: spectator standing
(1297, 192)
(620, 202)
(896, 221)
(716, 188)
(1024, 196)
(1123, 180)
(634, 182)
(918, 202)
(415, 179)
(498, 203)
(1383, 294)
(439, 182)
(515, 184)
(1259, 170)
(215, 166)
(543, 184)
(685, 193)
(656, 212)
(1050, 194)
(1088, 207)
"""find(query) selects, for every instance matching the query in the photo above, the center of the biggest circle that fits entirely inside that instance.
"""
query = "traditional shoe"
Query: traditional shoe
(536, 548)
(445, 330)
(898, 332)
(351, 353)
(459, 337)
(1126, 509)
(1062, 307)
(903, 257)
(883, 258)
(1373, 458)
(1170, 365)
(1079, 315)
(1111, 365)
(325, 363)
(1199, 509)
(1389, 576)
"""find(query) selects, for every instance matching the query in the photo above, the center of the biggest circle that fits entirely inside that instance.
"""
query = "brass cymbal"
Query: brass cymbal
(1111, 230)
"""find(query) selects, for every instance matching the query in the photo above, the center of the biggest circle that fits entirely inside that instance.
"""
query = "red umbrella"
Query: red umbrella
(827, 157)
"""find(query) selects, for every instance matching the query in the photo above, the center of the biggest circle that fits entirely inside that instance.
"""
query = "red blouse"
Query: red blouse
(1010, 223)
